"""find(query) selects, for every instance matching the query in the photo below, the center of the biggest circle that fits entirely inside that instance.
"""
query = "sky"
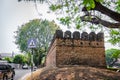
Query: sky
(14, 14)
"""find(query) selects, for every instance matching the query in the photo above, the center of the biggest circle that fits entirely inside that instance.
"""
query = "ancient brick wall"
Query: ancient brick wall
(51, 56)
(77, 49)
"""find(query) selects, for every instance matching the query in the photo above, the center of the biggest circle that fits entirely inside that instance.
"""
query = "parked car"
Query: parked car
(25, 66)
(34, 68)
(6, 72)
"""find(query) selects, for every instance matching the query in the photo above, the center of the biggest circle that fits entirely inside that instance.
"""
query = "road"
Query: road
(19, 73)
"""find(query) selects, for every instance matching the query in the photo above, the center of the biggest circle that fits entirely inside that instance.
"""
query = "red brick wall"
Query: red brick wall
(51, 57)
(71, 50)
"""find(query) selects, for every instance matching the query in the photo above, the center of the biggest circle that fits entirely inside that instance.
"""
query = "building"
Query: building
(3, 55)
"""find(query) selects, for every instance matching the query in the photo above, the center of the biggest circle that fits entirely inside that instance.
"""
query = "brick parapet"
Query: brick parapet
(77, 49)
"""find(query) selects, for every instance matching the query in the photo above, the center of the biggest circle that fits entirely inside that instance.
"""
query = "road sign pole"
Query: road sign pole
(32, 65)
(32, 45)
(32, 60)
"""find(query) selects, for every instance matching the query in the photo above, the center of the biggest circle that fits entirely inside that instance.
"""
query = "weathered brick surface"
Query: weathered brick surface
(51, 57)
(76, 49)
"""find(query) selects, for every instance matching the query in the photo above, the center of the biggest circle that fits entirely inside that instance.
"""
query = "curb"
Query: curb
(24, 77)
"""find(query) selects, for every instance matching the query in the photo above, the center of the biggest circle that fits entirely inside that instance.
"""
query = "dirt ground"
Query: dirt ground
(75, 73)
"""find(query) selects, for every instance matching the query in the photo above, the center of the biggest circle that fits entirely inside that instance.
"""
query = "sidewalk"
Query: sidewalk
(28, 75)
(25, 76)
(35, 73)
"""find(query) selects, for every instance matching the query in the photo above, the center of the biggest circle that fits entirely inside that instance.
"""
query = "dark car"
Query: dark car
(6, 72)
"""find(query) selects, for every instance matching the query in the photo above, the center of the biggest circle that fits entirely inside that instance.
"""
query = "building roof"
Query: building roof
(2, 55)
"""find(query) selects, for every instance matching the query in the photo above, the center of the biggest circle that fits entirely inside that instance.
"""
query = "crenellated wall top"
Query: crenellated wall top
(92, 36)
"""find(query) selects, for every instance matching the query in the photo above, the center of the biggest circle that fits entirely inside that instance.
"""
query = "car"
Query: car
(25, 66)
(6, 72)
(34, 68)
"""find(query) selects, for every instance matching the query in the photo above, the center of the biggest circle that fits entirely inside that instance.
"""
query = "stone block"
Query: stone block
(59, 34)
(100, 37)
(67, 35)
(92, 36)
(76, 35)
(68, 42)
(84, 36)
(60, 41)
(76, 43)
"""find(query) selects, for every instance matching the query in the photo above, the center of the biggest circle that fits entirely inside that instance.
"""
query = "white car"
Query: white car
(25, 67)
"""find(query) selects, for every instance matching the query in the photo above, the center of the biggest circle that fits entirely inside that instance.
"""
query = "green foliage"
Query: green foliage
(116, 53)
(55, 7)
(109, 58)
(111, 55)
(42, 30)
(89, 4)
(72, 10)
(65, 20)
(77, 22)
(118, 6)
(76, 9)
(114, 69)
(78, 26)
(39, 29)
(20, 59)
(114, 36)
(8, 59)
(28, 58)
(41, 53)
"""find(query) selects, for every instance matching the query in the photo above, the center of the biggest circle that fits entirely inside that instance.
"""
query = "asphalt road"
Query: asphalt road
(19, 73)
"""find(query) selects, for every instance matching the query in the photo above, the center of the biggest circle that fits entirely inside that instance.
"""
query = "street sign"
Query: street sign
(32, 43)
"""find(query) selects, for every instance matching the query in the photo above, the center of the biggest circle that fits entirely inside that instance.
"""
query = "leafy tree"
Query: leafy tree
(10, 60)
(39, 57)
(115, 37)
(92, 14)
(42, 31)
(72, 7)
(28, 58)
(20, 59)
(112, 56)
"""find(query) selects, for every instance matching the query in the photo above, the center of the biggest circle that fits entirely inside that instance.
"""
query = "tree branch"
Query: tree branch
(104, 10)
(96, 20)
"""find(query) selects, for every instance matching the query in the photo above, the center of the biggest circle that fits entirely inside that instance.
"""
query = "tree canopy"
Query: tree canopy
(42, 31)
(110, 8)
(112, 56)
(19, 59)
(92, 14)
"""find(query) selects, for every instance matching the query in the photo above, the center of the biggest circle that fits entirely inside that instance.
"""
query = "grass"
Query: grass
(114, 69)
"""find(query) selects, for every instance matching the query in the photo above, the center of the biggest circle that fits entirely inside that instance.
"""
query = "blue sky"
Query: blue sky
(14, 14)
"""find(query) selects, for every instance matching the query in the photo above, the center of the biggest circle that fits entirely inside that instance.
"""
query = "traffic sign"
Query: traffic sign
(32, 43)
